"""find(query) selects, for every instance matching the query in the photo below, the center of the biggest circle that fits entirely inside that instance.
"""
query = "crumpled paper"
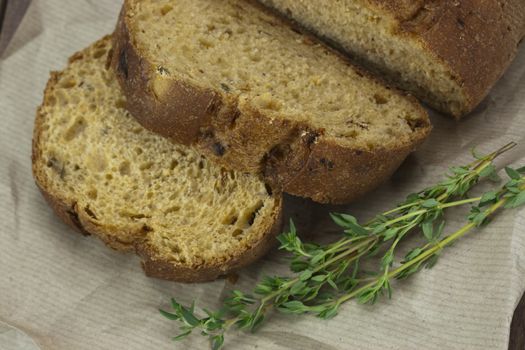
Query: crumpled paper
(59, 290)
(12, 16)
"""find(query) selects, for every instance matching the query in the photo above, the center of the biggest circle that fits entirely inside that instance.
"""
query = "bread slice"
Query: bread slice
(448, 53)
(255, 95)
(105, 175)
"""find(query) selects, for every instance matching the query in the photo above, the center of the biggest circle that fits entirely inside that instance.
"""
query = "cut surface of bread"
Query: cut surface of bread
(448, 53)
(108, 176)
(256, 95)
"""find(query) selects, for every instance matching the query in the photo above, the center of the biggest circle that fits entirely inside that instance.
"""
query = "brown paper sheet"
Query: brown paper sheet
(61, 291)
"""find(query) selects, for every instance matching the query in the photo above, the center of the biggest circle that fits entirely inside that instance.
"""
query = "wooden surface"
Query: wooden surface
(517, 332)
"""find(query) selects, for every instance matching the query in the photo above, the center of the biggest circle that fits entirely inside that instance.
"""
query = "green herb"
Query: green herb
(327, 276)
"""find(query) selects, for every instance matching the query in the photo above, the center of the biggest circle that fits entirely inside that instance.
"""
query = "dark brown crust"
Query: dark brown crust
(363, 171)
(293, 156)
(476, 40)
(76, 217)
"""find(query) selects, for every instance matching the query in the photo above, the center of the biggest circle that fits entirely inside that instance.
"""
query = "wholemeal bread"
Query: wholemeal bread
(255, 95)
(448, 53)
(106, 175)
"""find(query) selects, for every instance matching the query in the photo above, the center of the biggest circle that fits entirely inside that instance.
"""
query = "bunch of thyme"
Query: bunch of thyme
(327, 276)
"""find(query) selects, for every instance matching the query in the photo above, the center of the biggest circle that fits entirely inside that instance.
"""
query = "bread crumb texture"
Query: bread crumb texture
(135, 187)
(373, 37)
(448, 53)
(233, 47)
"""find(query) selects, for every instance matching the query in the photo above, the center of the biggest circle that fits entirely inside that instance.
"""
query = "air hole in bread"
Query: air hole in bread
(61, 98)
(146, 166)
(92, 193)
(123, 64)
(237, 232)
(166, 9)
(120, 104)
(206, 43)
(75, 129)
(218, 149)
(173, 164)
(56, 165)
(90, 213)
(380, 99)
(134, 216)
(175, 249)
(278, 152)
(181, 153)
(349, 134)
(99, 53)
(230, 219)
(255, 56)
(268, 189)
(124, 168)
(370, 146)
(172, 209)
(146, 228)
(415, 123)
(51, 100)
(248, 217)
(68, 84)
(251, 218)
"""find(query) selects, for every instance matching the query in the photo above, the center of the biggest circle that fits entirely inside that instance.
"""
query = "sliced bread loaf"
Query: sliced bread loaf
(448, 53)
(106, 175)
(256, 95)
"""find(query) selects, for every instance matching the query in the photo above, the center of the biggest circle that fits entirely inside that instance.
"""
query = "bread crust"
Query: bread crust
(159, 268)
(293, 156)
(476, 40)
(79, 219)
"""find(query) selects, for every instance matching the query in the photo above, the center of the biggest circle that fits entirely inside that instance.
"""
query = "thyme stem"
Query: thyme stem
(328, 276)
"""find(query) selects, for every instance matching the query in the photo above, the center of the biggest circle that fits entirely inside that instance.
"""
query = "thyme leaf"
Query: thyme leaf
(326, 276)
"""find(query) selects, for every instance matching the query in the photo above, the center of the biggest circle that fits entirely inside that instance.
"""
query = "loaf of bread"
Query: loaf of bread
(255, 95)
(107, 176)
(448, 53)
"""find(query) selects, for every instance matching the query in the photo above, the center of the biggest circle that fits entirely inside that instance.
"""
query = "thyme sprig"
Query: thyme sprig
(327, 276)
